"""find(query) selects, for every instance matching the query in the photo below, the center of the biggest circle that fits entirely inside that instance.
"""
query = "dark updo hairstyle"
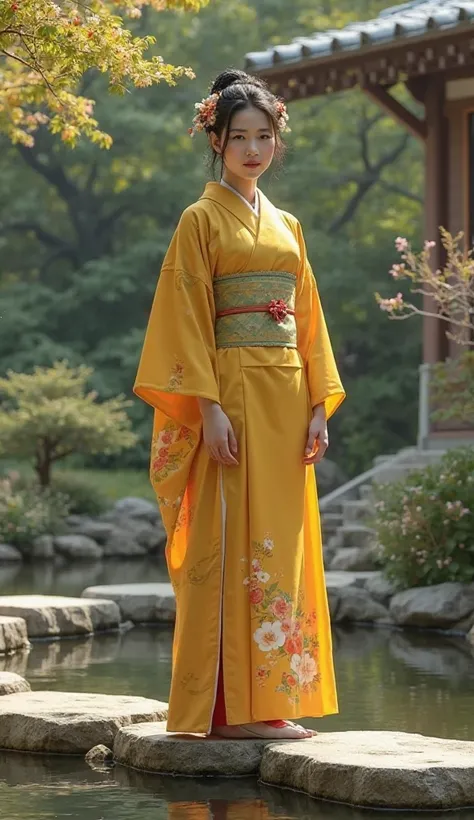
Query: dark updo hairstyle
(237, 91)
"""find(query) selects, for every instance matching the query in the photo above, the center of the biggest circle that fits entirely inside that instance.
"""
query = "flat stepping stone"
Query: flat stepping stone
(10, 683)
(55, 615)
(140, 603)
(376, 769)
(70, 722)
(13, 634)
(335, 579)
(150, 748)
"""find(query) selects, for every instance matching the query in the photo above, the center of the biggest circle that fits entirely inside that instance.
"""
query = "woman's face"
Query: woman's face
(251, 144)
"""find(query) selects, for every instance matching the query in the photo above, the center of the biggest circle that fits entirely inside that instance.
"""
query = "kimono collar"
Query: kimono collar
(233, 203)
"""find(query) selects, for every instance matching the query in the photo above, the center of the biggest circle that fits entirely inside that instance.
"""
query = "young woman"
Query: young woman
(238, 366)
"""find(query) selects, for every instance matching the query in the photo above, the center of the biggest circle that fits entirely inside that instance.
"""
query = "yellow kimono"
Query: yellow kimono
(244, 543)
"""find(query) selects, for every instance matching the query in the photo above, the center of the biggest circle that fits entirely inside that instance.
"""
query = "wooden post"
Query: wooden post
(435, 343)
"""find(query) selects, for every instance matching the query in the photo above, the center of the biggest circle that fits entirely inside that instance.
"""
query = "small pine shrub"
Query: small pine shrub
(85, 498)
(425, 523)
(29, 511)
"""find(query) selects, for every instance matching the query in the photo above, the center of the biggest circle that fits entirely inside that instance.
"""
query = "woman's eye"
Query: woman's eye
(238, 137)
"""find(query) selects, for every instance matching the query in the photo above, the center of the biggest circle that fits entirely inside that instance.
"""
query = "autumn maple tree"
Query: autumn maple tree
(47, 47)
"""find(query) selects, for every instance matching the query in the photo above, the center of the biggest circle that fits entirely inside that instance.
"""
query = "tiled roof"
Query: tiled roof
(393, 25)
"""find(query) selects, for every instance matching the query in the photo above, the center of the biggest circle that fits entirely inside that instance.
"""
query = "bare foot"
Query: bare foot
(259, 731)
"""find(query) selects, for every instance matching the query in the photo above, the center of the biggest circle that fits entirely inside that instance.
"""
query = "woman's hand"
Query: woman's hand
(218, 434)
(318, 440)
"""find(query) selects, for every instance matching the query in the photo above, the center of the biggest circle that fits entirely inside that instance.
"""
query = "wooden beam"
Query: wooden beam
(385, 100)
(435, 343)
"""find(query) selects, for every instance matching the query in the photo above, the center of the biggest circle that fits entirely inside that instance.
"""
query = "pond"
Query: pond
(387, 679)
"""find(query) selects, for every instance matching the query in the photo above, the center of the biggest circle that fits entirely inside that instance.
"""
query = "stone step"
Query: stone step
(10, 683)
(355, 511)
(340, 579)
(366, 492)
(13, 634)
(385, 770)
(354, 559)
(70, 722)
(55, 615)
(149, 747)
(140, 603)
(356, 535)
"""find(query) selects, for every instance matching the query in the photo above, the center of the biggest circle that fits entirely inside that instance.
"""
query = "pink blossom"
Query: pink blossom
(401, 244)
(429, 244)
(395, 303)
(396, 271)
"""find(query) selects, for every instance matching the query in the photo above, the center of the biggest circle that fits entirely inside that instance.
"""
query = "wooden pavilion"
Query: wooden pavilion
(428, 45)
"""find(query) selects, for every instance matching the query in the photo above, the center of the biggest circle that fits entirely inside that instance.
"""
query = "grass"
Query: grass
(114, 484)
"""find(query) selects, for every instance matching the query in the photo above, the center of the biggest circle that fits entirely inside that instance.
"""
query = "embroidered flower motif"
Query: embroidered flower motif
(176, 376)
(263, 673)
(256, 595)
(205, 116)
(169, 449)
(304, 667)
(281, 609)
(286, 630)
(269, 636)
(267, 544)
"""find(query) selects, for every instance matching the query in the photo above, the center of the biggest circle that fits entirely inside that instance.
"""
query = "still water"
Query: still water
(414, 682)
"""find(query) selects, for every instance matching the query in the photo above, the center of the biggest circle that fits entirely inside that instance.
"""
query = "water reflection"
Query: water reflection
(61, 578)
(40, 788)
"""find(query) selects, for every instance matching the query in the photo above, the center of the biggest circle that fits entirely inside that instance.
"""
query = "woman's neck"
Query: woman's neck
(245, 187)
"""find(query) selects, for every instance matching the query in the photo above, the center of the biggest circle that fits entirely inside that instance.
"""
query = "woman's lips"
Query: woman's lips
(252, 164)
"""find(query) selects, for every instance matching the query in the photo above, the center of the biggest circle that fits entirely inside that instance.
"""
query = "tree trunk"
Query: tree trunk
(43, 469)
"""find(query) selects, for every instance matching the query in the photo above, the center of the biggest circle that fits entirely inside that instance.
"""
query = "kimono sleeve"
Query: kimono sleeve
(314, 344)
(178, 360)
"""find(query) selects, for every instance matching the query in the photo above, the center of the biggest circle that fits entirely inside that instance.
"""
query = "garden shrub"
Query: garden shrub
(29, 511)
(425, 523)
(85, 498)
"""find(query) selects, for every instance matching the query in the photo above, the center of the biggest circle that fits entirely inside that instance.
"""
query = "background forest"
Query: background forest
(83, 232)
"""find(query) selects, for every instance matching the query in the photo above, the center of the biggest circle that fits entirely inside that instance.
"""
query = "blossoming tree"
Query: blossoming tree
(48, 415)
(46, 48)
(450, 289)
(451, 292)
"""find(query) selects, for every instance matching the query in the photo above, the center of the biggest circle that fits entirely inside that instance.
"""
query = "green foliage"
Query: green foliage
(425, 523)
(452, 389)
(83, 233)
(29, 511)
(84, 498)
(47, 415)
(46, 48)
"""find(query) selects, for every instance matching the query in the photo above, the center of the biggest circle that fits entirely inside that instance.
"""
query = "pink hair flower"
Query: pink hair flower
(205, 116)
(282, 116)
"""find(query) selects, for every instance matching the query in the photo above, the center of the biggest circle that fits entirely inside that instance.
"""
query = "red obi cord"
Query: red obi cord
(277, 308)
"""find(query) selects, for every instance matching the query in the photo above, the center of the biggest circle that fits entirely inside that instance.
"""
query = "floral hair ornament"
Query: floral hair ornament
(282, 116)
(205, 114)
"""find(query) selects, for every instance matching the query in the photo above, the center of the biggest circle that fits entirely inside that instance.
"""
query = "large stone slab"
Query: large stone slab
(13, 634)
(10, 683)
(54, 615)
(140, 603)
(376, 769)
(437, 606)
(70, 722)
(149, 747)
